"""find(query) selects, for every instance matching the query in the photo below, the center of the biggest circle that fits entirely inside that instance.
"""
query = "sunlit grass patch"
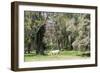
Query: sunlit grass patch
(62, 56)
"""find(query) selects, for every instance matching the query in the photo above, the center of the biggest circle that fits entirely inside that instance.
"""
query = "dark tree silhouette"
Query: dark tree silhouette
(29, 48)
(39, 40)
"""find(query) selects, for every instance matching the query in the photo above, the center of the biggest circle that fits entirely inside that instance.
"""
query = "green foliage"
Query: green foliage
(64, 31)
(32, 22)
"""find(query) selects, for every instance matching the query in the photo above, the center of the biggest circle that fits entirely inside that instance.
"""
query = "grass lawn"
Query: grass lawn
(62, 56)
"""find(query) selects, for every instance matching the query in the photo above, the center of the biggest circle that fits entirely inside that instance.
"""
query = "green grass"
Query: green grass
(62, 56)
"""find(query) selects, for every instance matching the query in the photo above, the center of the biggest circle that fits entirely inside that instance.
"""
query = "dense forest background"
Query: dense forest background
(44, 31)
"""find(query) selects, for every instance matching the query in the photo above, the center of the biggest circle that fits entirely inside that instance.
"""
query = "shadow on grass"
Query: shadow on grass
(33, 54)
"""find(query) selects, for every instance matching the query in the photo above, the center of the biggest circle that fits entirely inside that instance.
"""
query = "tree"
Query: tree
(39, 40)
(32, 21)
